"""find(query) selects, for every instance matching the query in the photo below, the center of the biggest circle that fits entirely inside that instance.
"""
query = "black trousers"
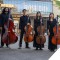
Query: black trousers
(21, 38)
(2, 44)
(50, 45)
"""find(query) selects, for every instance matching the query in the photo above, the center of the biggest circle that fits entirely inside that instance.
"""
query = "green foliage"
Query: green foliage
(58, 3)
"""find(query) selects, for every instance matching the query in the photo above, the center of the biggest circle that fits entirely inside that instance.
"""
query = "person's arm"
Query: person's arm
(34, 24)
(42, 21)
(29, 20)
(48, 28)
(47, 25)
(20, 23)
(56, 22)
(11, 18)
(0, 20)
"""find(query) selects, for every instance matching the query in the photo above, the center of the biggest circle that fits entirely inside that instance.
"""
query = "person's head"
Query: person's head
(5, 10)
(24, 11)
(38, 14)
(51, 16)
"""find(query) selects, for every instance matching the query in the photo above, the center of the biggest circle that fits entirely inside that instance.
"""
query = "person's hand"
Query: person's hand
(34, 32)
(19, 31)
(28, 23)
(7, 30)
(48, 33)
(10, 19)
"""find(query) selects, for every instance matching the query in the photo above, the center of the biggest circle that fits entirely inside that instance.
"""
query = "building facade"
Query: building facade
(44, 6)
(41, 0)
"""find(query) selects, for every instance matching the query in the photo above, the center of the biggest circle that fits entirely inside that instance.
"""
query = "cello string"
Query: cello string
(8, 25)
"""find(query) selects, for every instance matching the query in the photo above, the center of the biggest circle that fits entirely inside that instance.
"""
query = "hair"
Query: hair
(3, 11)
(24, 10)
(50, 17)
(37, 14)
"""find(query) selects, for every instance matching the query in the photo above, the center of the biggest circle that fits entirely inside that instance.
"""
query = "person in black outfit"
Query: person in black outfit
(37, 21)
(50, 25)
(4, 16)
(24, 20)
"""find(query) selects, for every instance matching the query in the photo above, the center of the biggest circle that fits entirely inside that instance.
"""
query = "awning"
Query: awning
(7, 5)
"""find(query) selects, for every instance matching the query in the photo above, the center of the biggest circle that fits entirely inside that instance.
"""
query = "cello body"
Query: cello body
(28, 36)
(40, 39)
(56, 37)
(9, 37)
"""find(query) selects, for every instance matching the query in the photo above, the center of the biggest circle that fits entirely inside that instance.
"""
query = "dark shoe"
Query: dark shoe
(7, 46)
(27, 47)
(41, 49)
(1, 46)
(20, 45)
(36, 48)
(19, 48)
(51, 50)
(34, 45)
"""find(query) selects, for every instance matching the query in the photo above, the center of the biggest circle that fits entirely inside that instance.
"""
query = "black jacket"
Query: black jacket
(4, 19)
(23, 22)
(51, 25)
(37, 23)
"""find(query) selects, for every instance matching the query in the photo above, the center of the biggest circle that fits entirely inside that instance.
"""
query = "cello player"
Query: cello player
(37, 21)
(3, 19)
(51, 23)
(22, 23)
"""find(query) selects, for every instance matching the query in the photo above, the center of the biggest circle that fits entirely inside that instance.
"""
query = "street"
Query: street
(12, 53)
(24, 54)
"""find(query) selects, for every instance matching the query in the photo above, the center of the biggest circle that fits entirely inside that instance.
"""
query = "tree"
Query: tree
(57, 3)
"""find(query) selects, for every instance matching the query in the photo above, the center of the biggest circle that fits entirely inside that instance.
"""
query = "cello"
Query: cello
(9, 37)
(41, 39)
(56, 37)
(28, 37)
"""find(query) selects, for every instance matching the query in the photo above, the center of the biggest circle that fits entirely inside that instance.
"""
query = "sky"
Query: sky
(33, 6)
